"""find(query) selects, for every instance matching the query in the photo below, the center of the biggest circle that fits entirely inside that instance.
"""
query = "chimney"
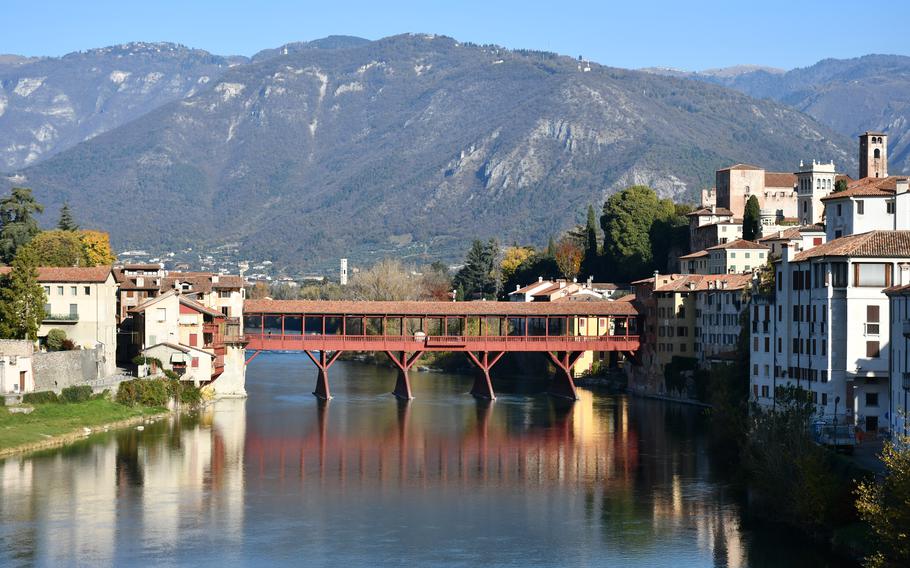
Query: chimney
(539, 279)
(590, 280)
(905, 274)
(140, 281)
(903, 185)
(575, 281)
(713, 208)
(214, 279)
(562, 284)
(517, 287)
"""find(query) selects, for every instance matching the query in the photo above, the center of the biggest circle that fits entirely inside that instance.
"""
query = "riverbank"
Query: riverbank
(55, 425)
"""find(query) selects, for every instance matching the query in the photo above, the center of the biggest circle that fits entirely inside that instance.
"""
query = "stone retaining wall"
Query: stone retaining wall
(57, 370)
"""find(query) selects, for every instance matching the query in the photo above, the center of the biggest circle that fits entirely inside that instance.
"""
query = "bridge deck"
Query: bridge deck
(563, 330)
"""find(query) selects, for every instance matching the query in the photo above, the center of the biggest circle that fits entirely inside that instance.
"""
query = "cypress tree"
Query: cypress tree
(751, 219)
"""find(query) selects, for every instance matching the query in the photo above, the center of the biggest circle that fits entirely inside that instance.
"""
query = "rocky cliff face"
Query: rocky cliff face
(409, 145)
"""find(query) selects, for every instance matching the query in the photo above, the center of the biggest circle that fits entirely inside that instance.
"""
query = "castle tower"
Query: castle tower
(813, 181)
(873, 155)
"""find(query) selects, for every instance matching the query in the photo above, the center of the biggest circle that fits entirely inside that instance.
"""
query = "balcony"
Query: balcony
(61, 318)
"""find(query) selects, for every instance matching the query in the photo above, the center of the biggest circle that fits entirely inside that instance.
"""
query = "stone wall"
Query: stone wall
(60, 369)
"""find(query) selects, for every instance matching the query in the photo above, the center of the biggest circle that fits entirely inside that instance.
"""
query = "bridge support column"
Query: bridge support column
(563, 385)
(483, 386)
(404, 364)
(322, 377)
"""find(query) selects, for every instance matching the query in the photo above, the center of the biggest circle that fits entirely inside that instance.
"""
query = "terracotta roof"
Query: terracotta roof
(68, 274)
(779, 179)
(698, 254)
(183, 299)
(901, 290)
(529, 287)
(738, 244)
(201, 281)
(700, 282)
(140, 267)
(785, 235)
(871, 244)
(740, 167)
(626, 298)
(868, 187)
(705, 211)
(439, 308)
(199, 307)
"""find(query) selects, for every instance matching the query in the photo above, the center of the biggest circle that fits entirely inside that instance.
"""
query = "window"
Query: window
(872, 399)
(767, 345)
(161, 314)
(73, 291)
(824, 399)
(226, 310)
(860, 207)
(877, 153)
(47, 290)
(755, 370)
(872, 349)
(872, 275)
(194, 340)
(59, 290)
(74, 310)
(88, 290)
(195, 362)
(47, 310)
(839, 274)
(889, 207)
(840, 209)
(224, 293)
(764, 391)
(872, 321)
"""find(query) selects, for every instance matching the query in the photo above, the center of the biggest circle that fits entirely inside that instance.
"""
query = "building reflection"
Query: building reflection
(139, 486)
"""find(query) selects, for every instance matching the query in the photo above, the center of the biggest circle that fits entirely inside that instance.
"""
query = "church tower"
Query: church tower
(873, 155)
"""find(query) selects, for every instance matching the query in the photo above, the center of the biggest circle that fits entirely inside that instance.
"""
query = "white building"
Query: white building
(797, 238)
(736, 257)
(82, 302)
(16, 375)
(899, 408)
(827, 326)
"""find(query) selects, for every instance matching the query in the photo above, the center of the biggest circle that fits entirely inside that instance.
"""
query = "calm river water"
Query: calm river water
(364, 481)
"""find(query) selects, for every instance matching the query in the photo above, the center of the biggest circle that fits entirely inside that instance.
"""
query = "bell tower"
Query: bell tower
(873, 155)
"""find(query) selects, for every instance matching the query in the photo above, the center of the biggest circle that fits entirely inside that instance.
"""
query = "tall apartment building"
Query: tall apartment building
(899, 364)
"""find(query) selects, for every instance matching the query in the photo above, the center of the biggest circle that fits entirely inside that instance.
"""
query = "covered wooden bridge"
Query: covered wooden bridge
(484, 331)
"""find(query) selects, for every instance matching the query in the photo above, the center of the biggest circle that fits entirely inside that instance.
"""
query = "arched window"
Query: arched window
(876, 153)
(829, 183)
(818, 184)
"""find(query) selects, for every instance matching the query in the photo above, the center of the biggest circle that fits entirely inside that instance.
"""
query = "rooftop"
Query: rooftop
(702, 282)
(418, 309)
(94, 274)
(868, 187)
(738, 244)
(873, 244)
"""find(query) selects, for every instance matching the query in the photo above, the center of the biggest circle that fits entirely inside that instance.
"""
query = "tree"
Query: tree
(22, 299)
(66, 222)
(626, 221)
(512, 258)
(885, 506)
(751, 219)
(17, 221)
(840, 185)
(551, 247)
(96, 248)
(55, 339)
(387, 280)
(568, 257)
(591, 262)
(57, 248)
(480, 275)
(436, 282)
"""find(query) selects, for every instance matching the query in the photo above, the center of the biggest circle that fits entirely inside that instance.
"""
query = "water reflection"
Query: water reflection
(364, 479)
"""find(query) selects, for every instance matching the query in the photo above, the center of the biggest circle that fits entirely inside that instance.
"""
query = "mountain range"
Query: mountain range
(408, 146)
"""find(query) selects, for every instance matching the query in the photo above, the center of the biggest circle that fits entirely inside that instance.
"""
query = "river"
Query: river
(280, 478)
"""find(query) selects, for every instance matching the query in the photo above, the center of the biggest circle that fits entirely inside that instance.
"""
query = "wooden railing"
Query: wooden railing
(268, 342)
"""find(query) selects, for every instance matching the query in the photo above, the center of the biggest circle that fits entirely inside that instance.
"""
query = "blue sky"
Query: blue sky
(686, 34)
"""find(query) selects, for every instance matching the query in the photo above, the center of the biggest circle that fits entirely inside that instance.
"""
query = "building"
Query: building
(719, 304)
(775, 191)
(184, 335)
(694, 263)
(16, 375)
(135, 284)
(736, 257)
(899, 364)
(81, 301)
(868, 204)
(827, 326)
(709, 226)
(563, 290)
(797, 238)
(873, 155)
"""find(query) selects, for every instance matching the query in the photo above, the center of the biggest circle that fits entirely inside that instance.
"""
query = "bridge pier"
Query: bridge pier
(483, 386)
(563, 385)
(322, 377)
(404, 364)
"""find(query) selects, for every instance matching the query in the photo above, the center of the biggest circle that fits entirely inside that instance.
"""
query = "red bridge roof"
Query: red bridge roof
(533, 309)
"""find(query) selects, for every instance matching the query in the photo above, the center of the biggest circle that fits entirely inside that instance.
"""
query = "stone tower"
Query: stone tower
(873, 155)
(813, 181)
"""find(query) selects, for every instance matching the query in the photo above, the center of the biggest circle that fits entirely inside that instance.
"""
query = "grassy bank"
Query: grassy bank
(52, 420)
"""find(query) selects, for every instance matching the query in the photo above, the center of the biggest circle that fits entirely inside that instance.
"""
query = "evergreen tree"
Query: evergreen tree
(66, 222)
(551, 247)
(840, 185)
(480, 274)
(17, 221)
(22, 299)
(589, 265)
(751, 219)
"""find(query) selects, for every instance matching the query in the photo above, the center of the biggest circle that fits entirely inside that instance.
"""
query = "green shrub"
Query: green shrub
(55, 339)
(103, 395)
(76, 394)
(171, 375)
(40, 397)
(145, 392)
